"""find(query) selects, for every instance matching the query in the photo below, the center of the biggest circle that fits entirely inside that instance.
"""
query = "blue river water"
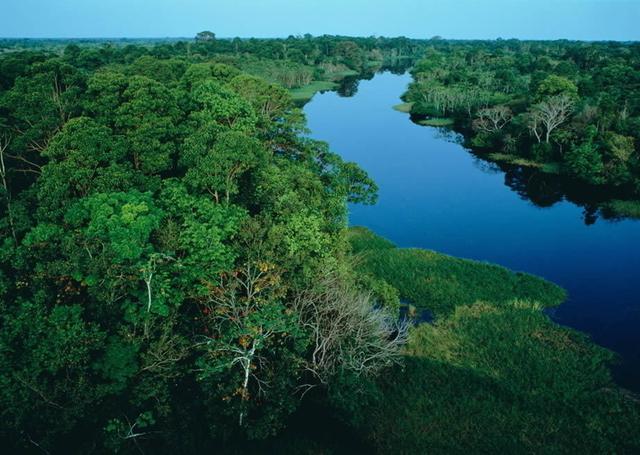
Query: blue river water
(435, 194)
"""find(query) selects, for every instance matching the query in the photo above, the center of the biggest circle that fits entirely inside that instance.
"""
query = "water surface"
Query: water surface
(434, 194)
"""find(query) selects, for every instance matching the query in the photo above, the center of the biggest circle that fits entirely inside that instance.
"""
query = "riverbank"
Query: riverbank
(435, 194)
(340, 78)
(537, 115)
(440, 283)
(492, 372)
(331, 81)
(628, 209)
(303, 94)
(611, 208)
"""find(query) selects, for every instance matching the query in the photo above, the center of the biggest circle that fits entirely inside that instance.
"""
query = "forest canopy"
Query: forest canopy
(177, 273)
(567, 107)
(170, 238)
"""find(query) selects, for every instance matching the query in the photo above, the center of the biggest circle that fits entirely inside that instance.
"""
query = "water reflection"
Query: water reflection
(348, 86)
(545, 189)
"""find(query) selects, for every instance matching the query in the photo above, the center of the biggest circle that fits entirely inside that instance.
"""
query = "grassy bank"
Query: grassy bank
(439, 122)
(440, 283)
(303, 94)
(341, 74)
(403, 107)
(493, 372)
(627, 209)
(492, 379)
(550, 168)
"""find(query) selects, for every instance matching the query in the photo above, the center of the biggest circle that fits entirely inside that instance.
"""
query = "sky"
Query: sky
(454, 19)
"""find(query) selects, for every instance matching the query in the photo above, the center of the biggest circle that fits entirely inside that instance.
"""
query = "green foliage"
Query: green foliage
(105, 93)
(138, 179)
(218, 159)
(620, 157)
(549, 168)
(441, 283)
(163, 213)
(306, 92)
(46, 373)
(205, 36)
(269, 100)
(403, 107)
(40, 102)
(286, 73)
(564, 109)
(119, 362)
(384, 295)
(437, 122)
(115, 224)
(498, 378)
(164, 71)
(491, 373)
(554, 85)
(119, 432)
(223, 106)
(84, 158)
(623, 208)
(584, 161)
(201, 231)
(542, 152)
(363, 239)
(147, 116)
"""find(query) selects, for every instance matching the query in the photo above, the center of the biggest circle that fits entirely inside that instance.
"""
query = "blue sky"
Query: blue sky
(474, 19)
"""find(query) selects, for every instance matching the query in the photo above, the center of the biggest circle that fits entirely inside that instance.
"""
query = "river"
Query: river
(435, 194)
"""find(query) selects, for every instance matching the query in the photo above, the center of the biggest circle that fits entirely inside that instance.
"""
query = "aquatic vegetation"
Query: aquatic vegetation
(492, 372)
(441, 283)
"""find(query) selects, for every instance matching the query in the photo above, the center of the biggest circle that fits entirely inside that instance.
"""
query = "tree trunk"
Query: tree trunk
(245, 383)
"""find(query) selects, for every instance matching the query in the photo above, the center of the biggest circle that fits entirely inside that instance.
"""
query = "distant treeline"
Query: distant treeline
(292, 62)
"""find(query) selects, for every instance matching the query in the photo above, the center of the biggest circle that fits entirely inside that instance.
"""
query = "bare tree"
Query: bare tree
(149, 270)
(550, 114)
(347, 330)
(164, 350)
(492, 119)
(534, 124)
(244, 316)
(125, 431)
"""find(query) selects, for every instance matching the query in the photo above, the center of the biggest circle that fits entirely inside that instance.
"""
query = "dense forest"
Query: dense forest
(562, 107)
(177, 274)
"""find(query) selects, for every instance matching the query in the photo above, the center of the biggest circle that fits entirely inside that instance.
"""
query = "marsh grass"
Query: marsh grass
(306, 92)
(403, 107)
(492, 373)
(440, 283)
(337, 75)
(491, 379)
(624, 208)
(439, 122)
(549, 168)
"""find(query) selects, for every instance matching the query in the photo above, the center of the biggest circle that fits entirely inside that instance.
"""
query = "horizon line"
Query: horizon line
(434, 38)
